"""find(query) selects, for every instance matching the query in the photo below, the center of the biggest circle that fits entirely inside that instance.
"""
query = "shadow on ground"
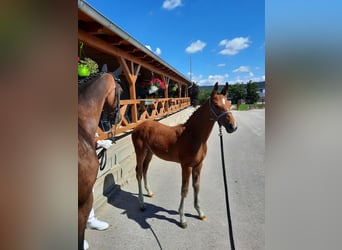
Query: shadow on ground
(128, 202)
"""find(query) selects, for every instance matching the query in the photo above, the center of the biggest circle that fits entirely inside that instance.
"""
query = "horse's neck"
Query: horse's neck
(90, 106)
(200, 123)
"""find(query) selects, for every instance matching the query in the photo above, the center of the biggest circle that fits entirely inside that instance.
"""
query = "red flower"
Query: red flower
(153, 82)
(158, 83)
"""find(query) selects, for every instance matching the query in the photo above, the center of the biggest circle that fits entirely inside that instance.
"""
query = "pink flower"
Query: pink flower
(158, 83)
(153, 82)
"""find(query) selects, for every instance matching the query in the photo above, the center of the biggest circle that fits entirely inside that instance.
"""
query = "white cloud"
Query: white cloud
(158, 50)
(210, 80)
(232, 47)
(195, 47)
(221, 79)
(221, 65)
(171, 4)
(241, 69)
(246, 79)
(244, 69)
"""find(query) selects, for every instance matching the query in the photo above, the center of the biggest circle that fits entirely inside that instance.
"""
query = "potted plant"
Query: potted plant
(86, 67)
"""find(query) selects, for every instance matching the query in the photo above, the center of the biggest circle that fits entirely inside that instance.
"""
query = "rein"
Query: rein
(231, 237)
(217, 117)
(102, 157)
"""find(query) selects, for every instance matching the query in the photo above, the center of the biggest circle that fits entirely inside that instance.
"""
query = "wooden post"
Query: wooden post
(131, 74)
(179, 89)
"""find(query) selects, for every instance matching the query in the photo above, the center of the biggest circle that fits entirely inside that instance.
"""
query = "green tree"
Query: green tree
(236, 92)
(203, 96)
(252, 95)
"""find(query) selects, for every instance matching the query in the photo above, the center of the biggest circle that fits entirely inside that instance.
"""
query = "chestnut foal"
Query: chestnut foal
(185, 144)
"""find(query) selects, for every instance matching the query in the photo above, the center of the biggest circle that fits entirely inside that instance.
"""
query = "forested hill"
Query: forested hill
(210, 87)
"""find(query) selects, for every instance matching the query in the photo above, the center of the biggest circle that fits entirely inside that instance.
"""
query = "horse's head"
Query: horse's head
(112, 103)
(220, 109)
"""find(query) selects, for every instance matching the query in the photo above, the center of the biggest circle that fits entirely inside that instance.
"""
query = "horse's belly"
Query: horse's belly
(166, 155)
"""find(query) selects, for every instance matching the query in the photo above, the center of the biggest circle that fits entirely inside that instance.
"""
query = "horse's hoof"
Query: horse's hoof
(183, 224)
(203, 217)
(151, 195)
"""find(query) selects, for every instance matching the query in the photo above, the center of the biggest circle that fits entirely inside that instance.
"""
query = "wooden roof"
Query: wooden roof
(111, 41)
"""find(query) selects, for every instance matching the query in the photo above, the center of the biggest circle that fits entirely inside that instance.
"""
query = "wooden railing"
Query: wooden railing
(146, 109)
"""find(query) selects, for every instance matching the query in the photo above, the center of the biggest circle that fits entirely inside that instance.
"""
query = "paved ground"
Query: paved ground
(157, 227)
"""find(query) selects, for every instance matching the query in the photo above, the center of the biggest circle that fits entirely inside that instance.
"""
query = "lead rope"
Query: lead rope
(102, 156)
(231, 237)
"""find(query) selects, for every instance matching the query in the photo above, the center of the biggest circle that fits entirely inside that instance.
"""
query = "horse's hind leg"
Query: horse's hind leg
(186, 171)
(196, 172)
(145, 168)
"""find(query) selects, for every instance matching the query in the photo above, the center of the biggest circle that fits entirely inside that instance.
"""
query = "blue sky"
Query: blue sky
(224, 38)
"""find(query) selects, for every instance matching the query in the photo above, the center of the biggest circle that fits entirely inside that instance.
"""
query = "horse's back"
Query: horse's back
(150, 128)
(159, 138)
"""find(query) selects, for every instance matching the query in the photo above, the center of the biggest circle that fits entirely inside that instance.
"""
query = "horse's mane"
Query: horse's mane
(194, 114)
(85, 82)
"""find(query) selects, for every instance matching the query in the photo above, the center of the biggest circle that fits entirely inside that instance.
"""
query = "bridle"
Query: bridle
(115, 115)
(114, 118)
(216, 116)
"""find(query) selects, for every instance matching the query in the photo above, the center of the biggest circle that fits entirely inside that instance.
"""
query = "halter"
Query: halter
(217, 117)
(108, 119)
(116, 113)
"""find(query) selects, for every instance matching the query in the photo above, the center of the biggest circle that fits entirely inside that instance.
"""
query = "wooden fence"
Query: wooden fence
(147, 109)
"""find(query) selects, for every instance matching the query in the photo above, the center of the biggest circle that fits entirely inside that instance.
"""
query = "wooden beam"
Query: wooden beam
(114, 51)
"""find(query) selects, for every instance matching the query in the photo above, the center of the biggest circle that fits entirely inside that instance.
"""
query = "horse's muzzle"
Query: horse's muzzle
(230, 128)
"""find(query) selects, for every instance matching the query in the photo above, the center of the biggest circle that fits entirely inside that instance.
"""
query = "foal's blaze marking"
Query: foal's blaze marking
(185, 143)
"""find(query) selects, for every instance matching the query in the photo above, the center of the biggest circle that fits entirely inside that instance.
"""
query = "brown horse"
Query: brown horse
(185, 144)
(94, 96)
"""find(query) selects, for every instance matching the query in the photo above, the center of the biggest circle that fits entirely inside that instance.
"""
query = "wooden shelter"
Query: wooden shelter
(132, 63)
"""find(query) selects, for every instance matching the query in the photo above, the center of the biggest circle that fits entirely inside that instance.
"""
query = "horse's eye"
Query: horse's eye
(216, 106)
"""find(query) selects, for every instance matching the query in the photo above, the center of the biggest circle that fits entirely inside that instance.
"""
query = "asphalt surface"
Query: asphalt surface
(157, 227)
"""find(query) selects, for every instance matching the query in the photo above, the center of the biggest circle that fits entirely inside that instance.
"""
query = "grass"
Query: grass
(244, 107)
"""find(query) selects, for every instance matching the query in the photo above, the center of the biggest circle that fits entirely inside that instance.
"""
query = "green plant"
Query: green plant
(92, 65)
(243, 107)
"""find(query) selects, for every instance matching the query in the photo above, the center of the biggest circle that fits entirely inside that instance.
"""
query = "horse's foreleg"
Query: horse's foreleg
(196, 172)
(186, 171)
(83, 213)
(140, 195)
(145, 168)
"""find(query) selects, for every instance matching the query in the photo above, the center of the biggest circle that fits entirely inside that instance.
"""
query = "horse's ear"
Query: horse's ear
(215, 89)
(104, 68)
(224, 91)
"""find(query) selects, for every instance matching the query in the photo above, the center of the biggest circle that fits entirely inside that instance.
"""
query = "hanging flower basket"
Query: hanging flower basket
(86, 67)
(153, 85)
(174, 88)
(83, 70)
